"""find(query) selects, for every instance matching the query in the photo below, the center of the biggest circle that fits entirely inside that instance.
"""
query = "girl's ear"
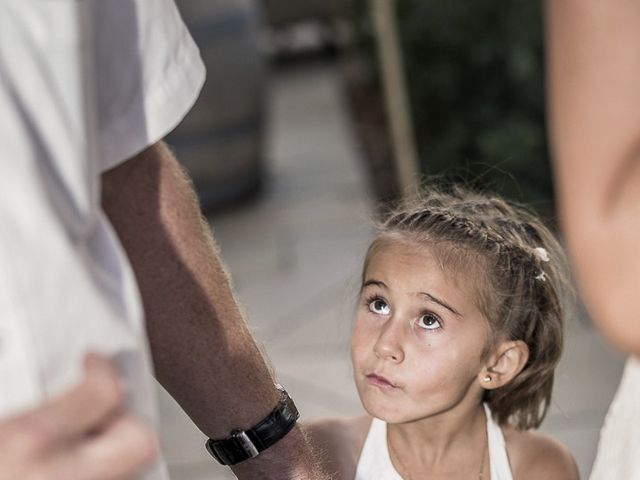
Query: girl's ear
(507, 361)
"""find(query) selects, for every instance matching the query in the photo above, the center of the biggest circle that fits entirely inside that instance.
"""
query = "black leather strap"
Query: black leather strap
(244, 444)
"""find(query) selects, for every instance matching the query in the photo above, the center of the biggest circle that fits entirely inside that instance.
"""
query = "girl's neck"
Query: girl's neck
(434, 441)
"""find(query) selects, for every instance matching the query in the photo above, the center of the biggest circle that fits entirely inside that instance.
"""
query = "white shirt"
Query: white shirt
(84, 85)
(375, 461)
(618, 454)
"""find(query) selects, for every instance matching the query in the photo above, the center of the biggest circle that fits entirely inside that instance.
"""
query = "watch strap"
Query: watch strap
(244, 444)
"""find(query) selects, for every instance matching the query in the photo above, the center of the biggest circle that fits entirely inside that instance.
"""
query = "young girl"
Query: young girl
(457, 334)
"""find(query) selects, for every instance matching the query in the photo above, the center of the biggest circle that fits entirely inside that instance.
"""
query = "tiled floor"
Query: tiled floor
(295, 258)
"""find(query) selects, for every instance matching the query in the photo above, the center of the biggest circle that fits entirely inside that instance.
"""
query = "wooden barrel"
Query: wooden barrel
(220, 140)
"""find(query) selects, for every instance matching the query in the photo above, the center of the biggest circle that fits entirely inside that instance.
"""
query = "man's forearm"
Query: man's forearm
(203, 352)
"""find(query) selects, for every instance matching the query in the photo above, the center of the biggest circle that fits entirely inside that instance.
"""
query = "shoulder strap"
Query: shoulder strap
(375, 461)
(498, 458)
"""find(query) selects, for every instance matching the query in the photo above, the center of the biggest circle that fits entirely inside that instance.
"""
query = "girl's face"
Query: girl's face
(418, 341)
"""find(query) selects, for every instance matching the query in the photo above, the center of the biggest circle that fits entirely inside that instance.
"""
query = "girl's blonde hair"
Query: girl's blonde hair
(520, 282)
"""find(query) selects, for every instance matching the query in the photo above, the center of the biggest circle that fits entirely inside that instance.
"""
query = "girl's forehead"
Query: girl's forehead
(453, 263)
(389, 254)
(409, 266)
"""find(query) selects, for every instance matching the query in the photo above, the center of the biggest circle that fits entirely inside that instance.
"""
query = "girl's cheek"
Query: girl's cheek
(360, 336)
(365, 326)
(430, 338)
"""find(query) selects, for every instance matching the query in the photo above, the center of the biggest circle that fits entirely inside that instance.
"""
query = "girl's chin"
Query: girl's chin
(387, 413)
(394, 413)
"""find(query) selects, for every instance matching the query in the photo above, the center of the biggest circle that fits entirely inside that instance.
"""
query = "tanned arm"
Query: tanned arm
(594, 78)
(203, 352)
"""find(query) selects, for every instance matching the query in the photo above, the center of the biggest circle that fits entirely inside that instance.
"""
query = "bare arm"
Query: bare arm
(339, 442)
(551, 462)
(203, 352)
(533, 456)
(594, 78)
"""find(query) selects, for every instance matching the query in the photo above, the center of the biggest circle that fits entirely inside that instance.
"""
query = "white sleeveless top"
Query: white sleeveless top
(619, 448)
(375, 462)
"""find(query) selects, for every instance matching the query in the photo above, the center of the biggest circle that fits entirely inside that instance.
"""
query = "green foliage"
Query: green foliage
(476, 83)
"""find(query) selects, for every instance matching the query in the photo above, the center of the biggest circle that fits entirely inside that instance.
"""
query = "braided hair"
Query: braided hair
(521, 282)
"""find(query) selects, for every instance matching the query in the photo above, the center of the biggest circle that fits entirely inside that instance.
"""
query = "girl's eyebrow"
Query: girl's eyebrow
(377, 283)
(442, 303)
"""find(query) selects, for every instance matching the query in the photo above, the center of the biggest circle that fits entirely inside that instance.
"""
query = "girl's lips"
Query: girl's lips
(380, 382)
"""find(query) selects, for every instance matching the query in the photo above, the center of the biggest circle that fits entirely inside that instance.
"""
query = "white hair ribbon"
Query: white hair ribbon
(541, 253)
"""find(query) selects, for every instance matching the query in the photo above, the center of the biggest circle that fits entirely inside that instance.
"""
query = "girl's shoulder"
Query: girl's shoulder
(533, 455)
(339, 441)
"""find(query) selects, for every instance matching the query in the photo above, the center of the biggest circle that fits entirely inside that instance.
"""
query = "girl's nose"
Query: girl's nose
(389, 343)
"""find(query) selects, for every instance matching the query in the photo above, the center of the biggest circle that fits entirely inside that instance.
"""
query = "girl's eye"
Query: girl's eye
(429, 322)
(379, 306)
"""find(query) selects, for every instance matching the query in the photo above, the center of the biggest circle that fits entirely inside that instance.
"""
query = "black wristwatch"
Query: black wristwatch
(244, 444)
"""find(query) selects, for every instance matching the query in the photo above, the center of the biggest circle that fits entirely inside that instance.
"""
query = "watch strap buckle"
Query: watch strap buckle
(245, 443)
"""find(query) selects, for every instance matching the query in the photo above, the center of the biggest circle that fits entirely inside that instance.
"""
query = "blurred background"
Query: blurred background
(317, 113)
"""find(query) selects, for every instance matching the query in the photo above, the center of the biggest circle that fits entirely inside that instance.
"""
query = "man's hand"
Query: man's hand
(83, 435)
